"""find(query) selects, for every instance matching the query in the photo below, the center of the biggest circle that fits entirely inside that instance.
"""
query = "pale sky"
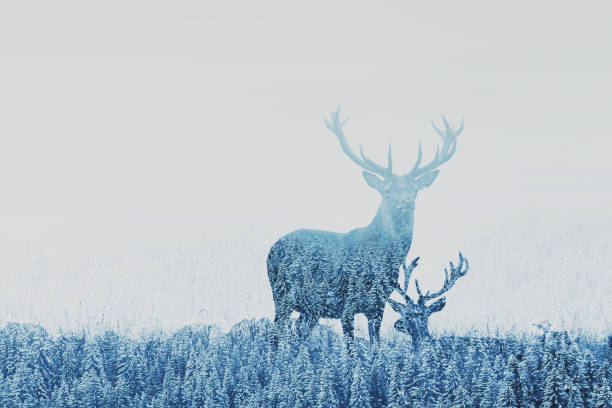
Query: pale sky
(152, 152)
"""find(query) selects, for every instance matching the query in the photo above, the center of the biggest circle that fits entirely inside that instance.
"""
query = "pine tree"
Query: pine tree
(479, 385)
(452, 380)
(579, 378)
(62, 397)
(419, 393)
(228, 384)
(10, 393)
(471, 367)
(188, 383)
(4, 357)
(254, 400)
(93, 360)
(489, 397)
(360, 397)
(199, 394)
(407, 376)
(215, 397)
(302, 382)
(554, 392)
(91, 391)
(344, 371)
(461, 398)
(39, 386)
(326, 397)
(601, 396)
(122, 393)
(498, 367)
(512, 374)
(70, 358)
(109, 345)
(40, 356)
(122, 363)
(530, 377)
(272, 393)
(395, 396)
(378, 379)
(506, 397)
(170, 394)
(590, 374)
(428, 364)
(21, 387)
(575, 398)
(243, 388)
(108, 393)
(135, 376)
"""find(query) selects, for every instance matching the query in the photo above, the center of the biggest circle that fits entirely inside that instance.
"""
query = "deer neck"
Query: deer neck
(393, 225)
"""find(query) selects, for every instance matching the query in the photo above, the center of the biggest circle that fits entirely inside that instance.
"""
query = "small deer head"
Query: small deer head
(399, 191)
(414, 318)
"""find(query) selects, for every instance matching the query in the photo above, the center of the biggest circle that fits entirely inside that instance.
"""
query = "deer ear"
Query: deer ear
(395, 305)
(373, 181)
(426, 179)
(437, 305)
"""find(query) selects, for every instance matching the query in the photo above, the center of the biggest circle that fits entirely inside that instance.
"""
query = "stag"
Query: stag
(414, 318)
(323, 274)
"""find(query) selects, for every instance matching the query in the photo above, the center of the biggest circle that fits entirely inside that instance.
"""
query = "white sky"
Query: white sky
(150, 153)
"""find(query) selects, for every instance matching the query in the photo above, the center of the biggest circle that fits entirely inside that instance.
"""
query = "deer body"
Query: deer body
(335, 275)
(323, 274)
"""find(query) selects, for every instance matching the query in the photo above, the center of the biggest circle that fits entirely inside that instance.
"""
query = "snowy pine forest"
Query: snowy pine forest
(200, 366)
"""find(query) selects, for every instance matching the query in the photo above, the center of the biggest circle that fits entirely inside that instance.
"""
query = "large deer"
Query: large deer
(414, 319)
(323, 274)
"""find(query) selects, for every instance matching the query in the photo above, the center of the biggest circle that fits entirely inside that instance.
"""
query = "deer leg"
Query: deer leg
(281, 317)
(374, 329)
(347, 326)
(305, 325)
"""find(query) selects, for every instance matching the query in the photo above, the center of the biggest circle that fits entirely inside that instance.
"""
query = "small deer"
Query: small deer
(323, 274)
(414, 318)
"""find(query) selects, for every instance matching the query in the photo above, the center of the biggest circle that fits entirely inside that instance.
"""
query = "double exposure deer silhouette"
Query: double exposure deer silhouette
(414, 318)
(323, 274)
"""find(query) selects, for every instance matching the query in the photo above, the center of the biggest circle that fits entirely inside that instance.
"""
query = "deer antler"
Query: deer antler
(407, 273)
(456, 273)
(364, 162)
(443, 154)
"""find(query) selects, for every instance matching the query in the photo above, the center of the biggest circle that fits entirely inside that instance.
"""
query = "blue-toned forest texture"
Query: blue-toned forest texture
(203, 367)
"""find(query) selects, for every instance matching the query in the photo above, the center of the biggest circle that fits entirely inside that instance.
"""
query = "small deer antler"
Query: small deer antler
(407, 273)
(456, 273)
(364, 162)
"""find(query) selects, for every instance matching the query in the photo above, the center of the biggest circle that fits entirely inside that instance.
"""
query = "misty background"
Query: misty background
(151, 153)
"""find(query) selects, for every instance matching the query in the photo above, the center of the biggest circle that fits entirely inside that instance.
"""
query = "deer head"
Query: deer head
(399, 191)
(415, 315)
